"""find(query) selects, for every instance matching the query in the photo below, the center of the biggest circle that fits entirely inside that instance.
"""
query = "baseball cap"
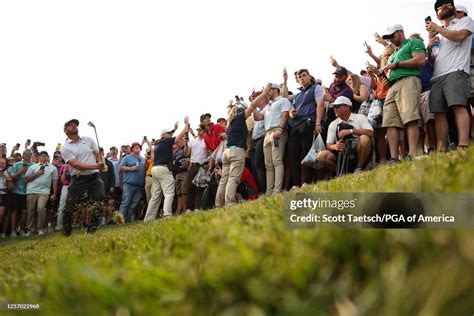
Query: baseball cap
(342, 100)
(75, 121)
(461, 8)
(275, 86)
(392, 29)
(340, 71)
(166, 131)
(136, 144)
(439, 3)
(43, 152)
(27, 152)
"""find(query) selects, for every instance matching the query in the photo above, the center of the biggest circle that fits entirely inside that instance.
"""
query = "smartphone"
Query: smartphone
(28, 142)
(42, 167)
(365, 44)
(144, 137)
(428, 19)
(276, 142)
(17, 145)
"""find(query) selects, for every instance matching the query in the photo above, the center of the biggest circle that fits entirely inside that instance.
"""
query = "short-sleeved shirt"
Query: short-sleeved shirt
(164, 151)
(426, 74)
(359, 121)
(20, 184)
(405, 52)
(273, 112)
(41, 184)
(136, 178)
(213, 140)
(259, 126)
(237, 132)
(83, 152)
(4, 183)
(199, 152)
(305, 104)
(454, 56)
(180, 161)
(115, 163)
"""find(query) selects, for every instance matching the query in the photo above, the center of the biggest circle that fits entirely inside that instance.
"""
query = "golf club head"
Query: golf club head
(91, 124)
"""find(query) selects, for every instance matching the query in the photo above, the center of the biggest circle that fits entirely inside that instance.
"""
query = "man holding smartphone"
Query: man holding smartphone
(39, 179)
(275, 115)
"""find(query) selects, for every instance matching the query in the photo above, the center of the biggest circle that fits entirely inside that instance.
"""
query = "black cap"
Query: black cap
(439, 3)
(43, 152)
(71, 121)
(203, 116)
(340, 71)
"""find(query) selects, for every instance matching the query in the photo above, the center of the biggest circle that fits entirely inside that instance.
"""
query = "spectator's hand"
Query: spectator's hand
(40, 172)
(277, 134)
(368, 50)
(222, 136)
(371, 69)
(218, 172)
(135, 168)
(15, 148)
(186, 121)
(293, 114)
(285, 76)
(334, 62)
(326, 94)
(433, 41)
(340, 145)
(267, 89)
(318, 129)
(379, 38)
(344, 133)
(23, 170)
(112, 190)
(389, 67)
(432, 27)
(53, 197)
(100, 165)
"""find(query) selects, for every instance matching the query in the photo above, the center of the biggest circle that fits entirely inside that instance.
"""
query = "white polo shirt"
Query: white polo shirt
(198, 151)
(359, 121)
(273, 112)
(82, 151)
(454, 56)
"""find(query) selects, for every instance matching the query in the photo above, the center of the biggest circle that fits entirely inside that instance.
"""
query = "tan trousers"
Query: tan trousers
(36, 208)
(233, 162)
(274, 161)
(163, 184)
(148, 183)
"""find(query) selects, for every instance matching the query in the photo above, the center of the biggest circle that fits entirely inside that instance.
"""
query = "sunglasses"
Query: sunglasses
(338, 106)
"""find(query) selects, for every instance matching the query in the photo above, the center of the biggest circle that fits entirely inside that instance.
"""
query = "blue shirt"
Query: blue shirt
(41, 184)
(237, 132)
(426, 74)
(20, 184)
(305, 104)
(136, 178)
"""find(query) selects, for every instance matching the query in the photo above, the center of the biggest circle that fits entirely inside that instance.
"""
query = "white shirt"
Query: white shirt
(198, 151)
(273, 112)
(454, 56)
(82, 151)
(359, 121)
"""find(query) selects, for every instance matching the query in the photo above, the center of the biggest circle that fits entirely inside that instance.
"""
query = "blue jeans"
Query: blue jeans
(130, 197)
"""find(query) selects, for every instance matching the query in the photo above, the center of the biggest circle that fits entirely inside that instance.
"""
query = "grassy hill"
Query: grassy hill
(244, 260)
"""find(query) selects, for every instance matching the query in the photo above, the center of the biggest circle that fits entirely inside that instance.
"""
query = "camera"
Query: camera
(38, 144)
(342, 126)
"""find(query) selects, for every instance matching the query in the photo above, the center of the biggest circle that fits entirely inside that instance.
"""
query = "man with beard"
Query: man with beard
(82, 154)
(401, 109)
(451, 69)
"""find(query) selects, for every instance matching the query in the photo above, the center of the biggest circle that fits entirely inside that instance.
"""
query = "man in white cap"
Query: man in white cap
(275, 117)
(461, 12)
(162, 177)
(362, 130)
(401, 107)
(450, 87)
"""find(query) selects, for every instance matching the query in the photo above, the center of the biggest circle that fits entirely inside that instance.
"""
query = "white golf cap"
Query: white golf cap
(342, 100)
(391, 30)
(166, 131)
(461, 8)
(275, 86)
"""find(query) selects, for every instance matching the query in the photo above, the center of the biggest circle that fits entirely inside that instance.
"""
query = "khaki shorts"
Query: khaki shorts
(402, 104)
(182, 183)
(425, 113)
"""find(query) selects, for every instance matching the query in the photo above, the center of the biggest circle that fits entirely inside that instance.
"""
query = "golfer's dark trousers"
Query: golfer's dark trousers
(300, 142)
(194, 192)
(257, 160)
(94, 187)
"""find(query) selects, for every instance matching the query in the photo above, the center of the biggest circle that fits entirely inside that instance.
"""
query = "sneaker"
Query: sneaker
(67, 232)
(23, 233)
(58, 228)
(41, 232)
(13, 234)
(358, 170)
(188, 211)
(393, 162)
(91, 229)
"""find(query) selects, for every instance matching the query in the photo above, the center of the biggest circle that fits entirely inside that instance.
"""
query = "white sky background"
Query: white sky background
(136, 67)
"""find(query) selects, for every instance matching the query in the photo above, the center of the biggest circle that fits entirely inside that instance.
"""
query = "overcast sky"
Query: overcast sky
(136, 67)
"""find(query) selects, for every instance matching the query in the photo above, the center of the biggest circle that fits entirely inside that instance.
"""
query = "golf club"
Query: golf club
(97, 139)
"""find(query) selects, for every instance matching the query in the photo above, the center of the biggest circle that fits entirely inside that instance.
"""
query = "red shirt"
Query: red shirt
(247, 177)
(212, 140)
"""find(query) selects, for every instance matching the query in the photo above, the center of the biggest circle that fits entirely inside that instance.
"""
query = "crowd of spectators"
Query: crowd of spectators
(413, 99)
